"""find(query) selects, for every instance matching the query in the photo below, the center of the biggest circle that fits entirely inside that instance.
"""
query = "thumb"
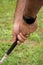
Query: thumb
(14, 38)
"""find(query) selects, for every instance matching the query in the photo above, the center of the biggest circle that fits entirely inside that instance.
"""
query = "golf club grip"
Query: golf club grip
(12, 47)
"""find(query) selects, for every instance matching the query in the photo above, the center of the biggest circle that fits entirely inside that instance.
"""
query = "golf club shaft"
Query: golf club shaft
(12, 47)
(9, 51)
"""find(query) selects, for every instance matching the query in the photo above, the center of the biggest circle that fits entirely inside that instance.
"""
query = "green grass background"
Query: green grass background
(28, 53)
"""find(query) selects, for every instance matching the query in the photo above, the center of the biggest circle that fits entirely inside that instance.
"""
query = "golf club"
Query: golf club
(9, 51)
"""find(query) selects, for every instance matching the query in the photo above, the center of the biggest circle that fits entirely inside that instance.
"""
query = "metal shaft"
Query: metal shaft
(4, 57)
(9, 51)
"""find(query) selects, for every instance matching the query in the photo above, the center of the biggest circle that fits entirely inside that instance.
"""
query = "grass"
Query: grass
(28, 53)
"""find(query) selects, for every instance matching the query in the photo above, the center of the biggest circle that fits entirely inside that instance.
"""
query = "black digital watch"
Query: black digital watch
(29, 20)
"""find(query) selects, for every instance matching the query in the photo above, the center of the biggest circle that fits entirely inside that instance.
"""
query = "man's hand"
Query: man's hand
(21, 30)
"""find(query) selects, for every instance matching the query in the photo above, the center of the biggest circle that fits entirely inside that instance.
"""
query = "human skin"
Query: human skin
(27, 8)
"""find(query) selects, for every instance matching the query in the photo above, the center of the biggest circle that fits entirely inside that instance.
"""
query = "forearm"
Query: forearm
(32, 7)
(19, 10)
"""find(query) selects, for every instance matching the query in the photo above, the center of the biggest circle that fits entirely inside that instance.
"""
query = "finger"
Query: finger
(22, 36)
(27, 35)
(19, 42)
(14, 38)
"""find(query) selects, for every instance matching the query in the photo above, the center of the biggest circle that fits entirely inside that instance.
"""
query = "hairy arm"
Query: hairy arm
(32, 7)
(19, 9)
(27, 8)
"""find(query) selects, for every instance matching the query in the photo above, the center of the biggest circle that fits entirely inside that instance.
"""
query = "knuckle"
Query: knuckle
(20, 38)
(18, 42)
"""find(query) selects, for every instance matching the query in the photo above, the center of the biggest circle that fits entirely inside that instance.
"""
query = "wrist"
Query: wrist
(32, 27)
(17, 19)
(29, 20)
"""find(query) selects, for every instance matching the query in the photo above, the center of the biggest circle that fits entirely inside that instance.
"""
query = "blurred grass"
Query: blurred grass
(28, 53)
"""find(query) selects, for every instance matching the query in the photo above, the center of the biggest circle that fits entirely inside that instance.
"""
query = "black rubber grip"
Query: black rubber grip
(12, 47)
